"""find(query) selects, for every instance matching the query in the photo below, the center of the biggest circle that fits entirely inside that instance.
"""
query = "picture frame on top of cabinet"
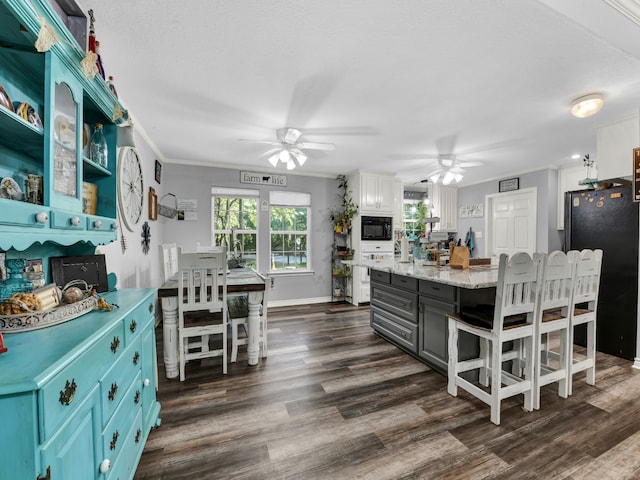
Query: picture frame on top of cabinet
(509, 184)
(158, 171)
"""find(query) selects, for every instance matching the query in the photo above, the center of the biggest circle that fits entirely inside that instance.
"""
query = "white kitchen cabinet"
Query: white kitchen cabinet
(398, 199)
(568, 181)
(444, 199)
(374, 192)
(615, 144)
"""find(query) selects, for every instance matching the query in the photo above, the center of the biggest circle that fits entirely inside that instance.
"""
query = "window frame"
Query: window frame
(290, 200)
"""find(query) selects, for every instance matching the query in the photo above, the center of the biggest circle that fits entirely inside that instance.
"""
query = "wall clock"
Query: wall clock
(130, 187)
(146, 237)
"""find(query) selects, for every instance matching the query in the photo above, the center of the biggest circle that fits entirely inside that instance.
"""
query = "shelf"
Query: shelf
(19, 135)
(92, 169)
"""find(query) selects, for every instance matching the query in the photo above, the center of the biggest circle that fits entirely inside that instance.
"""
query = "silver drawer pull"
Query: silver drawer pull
(68, 394)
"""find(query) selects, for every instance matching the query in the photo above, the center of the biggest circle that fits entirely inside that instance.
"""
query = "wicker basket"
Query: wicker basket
(167, 210)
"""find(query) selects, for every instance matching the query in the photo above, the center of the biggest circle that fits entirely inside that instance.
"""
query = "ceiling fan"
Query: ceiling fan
(450, 169)
(288, 149)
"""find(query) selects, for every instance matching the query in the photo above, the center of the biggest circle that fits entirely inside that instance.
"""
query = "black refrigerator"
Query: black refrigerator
(608, 219)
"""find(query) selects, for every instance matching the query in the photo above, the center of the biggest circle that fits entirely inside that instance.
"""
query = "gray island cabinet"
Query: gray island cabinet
(410, 303)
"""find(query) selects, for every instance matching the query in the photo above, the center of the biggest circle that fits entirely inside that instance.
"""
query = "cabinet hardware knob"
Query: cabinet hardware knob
(114, 226)
(97, 224)
(105, 465)
(68, 394)
(138, 435)
(146, 382)
(75, 221)
(136, 397)
(42, 217)
(114, 440)
(115, 344)
(47, 477)
(136, 358)
(113, 392)
(133, 325)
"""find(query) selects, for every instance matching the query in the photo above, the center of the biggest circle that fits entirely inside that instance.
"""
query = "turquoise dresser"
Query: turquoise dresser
(77, 400)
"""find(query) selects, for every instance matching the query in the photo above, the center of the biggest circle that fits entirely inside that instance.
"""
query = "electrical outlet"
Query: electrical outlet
(478, 234)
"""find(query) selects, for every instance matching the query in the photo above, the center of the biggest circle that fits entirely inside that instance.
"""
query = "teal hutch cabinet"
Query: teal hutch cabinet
(77, 400)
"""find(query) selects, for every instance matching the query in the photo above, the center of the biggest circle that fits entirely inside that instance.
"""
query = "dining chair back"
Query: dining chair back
(169, 260)
(588, 265)
(202, 307)
(510, 319)
(555, 295)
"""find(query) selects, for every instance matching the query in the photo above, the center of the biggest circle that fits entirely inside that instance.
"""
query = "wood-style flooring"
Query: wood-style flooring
(334, 401)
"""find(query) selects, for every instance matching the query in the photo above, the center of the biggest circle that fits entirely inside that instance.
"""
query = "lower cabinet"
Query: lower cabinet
(79, 398)
(400, 331)
(434, 331)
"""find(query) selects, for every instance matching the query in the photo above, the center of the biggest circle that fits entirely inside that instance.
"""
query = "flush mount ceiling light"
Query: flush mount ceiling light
(587, 105)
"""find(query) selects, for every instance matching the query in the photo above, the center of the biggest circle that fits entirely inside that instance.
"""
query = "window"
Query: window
(235, 223)
(290, 218)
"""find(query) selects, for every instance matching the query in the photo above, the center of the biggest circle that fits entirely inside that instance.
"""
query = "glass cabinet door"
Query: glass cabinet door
(65, 158)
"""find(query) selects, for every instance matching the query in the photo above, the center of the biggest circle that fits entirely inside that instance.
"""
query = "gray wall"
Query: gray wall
(548, 238)
(195, 182)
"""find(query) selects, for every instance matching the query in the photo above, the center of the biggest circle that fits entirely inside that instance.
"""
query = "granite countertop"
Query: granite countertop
(481, 276)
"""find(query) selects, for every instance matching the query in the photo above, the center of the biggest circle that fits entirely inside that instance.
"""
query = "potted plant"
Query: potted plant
(342, 216)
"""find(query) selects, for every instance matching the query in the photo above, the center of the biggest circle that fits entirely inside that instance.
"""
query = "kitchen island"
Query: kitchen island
(410, 302)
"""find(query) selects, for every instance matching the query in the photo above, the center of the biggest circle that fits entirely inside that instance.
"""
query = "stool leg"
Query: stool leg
(452, 386)
(234, 341)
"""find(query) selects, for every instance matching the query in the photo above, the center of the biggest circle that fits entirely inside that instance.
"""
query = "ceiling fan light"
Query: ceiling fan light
(457, 177)
(301, 157)
(291, 164)
(448, 178)
(587, 105)
(284, 155)
(273, 159)
(435, 177)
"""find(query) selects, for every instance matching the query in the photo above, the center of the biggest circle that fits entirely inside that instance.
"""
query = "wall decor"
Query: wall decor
(158, 171)
(146, 237)
(474, 210)
(509, 184)
(153, 204)
(257, 178)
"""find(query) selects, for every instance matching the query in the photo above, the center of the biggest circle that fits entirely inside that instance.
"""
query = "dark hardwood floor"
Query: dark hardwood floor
(334, 401)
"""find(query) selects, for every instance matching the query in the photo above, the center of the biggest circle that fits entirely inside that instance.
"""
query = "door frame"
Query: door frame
(488, 218)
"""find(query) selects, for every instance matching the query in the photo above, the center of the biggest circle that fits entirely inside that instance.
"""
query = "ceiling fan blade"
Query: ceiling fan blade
(435, 172)
(469, 164)
(269, 152)
(457, 169)
(262, 142)
(316, 146)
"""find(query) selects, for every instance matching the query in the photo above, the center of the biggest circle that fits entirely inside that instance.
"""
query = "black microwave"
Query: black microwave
(377, 228)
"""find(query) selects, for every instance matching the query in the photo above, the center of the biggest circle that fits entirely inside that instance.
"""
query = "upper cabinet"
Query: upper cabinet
(375, 193)
(444, 205)
(615, 144)
(48, 109)
(398, 201)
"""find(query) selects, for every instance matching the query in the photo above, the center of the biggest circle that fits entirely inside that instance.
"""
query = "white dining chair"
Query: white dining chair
(584, 311)
(510, 319)
(202, 311)
(553, 314)
(169, 260)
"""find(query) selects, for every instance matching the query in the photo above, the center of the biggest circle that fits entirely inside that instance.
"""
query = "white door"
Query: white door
(511, 222)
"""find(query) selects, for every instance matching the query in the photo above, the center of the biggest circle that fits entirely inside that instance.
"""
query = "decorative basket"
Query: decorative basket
(23, 322)
(167, 210)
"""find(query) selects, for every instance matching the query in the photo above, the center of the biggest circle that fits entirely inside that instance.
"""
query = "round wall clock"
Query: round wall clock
(130, 187)
(146, 237)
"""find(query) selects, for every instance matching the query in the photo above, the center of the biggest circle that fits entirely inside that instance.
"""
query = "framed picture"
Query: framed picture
(153, 204)
(158, 171)
(509, 184)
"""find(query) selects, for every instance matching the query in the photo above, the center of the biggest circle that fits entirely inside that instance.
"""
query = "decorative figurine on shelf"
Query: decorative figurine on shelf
(94, 45)
(15, 283)
(111, 86)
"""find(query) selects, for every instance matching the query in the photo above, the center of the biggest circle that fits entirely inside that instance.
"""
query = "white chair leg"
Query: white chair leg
(591, 352)
(485, 354)
(234, 341)
(563, 384)
(496, 383)
(452, 386)
(224, 351)
(530, 360)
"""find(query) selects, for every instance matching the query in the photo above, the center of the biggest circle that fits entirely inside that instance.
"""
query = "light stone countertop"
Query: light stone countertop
(481, 276)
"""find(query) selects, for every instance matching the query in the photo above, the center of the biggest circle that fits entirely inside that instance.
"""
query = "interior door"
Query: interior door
(511, 223)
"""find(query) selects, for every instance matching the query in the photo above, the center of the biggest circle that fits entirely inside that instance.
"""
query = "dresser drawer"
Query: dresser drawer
(115, 433)
(59, 397)
(124, 464)
(68, 220)
(135, 321)
(117, 380)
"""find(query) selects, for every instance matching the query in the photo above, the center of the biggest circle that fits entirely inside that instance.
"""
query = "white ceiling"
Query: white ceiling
(386, 81)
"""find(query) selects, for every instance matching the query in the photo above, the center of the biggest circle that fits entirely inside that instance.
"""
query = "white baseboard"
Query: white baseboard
(297, 301)
(636, 363)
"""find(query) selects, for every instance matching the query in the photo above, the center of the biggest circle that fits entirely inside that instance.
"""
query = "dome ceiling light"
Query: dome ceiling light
(587, 105)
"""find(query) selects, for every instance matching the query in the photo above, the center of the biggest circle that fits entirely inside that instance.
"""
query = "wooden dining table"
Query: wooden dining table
(240, 281)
